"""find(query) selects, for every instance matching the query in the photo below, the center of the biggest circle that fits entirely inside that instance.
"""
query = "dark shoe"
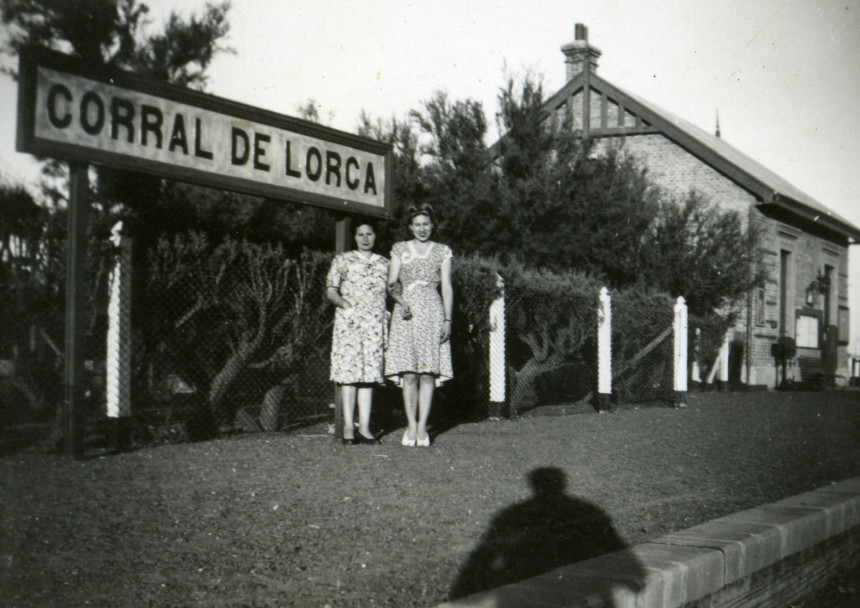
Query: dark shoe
(346, 441)
(362, 440)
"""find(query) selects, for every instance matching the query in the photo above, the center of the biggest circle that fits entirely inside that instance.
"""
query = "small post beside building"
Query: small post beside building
(695, 370)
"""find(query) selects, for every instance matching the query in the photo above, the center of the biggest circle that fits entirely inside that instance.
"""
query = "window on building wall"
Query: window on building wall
(760, 309)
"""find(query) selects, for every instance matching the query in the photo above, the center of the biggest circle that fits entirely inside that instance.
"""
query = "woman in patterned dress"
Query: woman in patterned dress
(419, 350)
(356, 286)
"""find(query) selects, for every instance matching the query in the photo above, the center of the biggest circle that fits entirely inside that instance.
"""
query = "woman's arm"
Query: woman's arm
(333, 282)
(447, 298)
(395, 290)
(333, 296)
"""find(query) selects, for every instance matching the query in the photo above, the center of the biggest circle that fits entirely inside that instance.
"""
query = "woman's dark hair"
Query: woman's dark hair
(423, 209)
(358, 223)
(363, 221)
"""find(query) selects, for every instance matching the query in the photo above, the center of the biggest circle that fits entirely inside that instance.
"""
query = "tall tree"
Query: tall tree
(556, 201)
(710, 256)
(454, 169)
(407, 171)
(115, 33)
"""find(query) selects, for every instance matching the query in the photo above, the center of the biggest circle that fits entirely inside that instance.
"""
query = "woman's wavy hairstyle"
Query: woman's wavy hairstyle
(423, 209)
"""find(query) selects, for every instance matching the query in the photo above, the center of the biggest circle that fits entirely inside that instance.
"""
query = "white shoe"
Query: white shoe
(409, 443)
(424, 443)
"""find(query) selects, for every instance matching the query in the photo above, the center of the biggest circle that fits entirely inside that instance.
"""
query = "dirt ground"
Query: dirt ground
(296, 519)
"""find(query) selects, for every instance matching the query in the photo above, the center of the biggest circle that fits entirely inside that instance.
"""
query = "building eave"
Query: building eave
(764, 185)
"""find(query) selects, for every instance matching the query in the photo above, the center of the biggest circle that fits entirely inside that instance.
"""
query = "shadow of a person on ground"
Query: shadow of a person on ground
(549, 530)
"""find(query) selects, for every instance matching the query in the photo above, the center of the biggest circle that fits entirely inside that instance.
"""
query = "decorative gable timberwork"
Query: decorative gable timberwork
(606, 115)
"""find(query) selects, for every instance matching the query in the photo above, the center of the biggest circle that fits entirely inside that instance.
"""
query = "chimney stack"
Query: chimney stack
(578, 54)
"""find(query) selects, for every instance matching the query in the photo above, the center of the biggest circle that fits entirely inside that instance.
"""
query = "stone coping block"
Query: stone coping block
(798, 527)
(744, 548)
(692, 564)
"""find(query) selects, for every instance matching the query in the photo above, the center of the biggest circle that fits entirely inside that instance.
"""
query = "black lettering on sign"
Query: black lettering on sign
(66, 119)
(151, 120)
(237, 136)
(198, 136)
(289, 170)
(332, 166)
(178, 138)
(260, 151)
(369, 179)
(92, 124)
(313, 173)
(121, 114)
(350, 183)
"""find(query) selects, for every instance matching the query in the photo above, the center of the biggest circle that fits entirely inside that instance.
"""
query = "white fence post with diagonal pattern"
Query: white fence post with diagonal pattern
(497, 353)
(604, 351)
(118, 357)
(679, 328)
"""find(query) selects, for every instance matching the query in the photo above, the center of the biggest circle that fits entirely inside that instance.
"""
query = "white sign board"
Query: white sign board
(121, 120)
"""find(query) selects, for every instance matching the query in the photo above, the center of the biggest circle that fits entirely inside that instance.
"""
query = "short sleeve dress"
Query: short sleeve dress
(358, 338)
(413, 346)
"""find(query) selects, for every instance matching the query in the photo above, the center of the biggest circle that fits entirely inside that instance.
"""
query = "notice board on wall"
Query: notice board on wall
(807, 330)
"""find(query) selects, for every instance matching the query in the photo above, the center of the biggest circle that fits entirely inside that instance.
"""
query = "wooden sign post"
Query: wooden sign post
(73, 111)
(76, 298)
(342, 241)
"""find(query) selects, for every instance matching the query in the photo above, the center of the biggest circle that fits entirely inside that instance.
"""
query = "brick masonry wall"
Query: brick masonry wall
(678, 172)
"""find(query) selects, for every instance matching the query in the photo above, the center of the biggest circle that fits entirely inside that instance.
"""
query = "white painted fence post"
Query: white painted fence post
(695, 371)
(680, 345)
(604, 351)
(724, 360)
(497, 353)
(118, 356)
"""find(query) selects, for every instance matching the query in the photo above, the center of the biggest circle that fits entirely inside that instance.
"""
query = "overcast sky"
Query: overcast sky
(784, 75)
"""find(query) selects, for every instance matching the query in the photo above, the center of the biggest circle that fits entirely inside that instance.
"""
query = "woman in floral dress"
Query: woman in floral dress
(419, 350)
(356, 286)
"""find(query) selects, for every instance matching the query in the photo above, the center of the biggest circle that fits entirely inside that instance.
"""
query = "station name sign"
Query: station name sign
(121, 120)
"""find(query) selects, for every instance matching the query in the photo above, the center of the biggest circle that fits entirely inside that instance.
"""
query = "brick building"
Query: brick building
(805, 245)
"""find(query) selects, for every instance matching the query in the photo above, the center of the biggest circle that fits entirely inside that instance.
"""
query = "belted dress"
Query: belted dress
(358, 336)
(413, 345)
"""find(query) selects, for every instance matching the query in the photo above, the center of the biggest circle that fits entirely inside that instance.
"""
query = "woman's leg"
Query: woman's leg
(426, 386)
(347, 402)
(365, 400)
(410, 402)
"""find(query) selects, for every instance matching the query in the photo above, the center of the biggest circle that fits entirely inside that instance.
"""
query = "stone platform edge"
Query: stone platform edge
(766, 556)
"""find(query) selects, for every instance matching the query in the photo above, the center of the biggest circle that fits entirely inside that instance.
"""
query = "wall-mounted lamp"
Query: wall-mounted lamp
(810, 294)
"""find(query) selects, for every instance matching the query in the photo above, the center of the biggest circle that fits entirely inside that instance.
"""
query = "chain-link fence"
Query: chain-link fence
(184, 339)
(187, 339)
(642, 354)
(234, 336)
(558, 365)
(551, 337)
